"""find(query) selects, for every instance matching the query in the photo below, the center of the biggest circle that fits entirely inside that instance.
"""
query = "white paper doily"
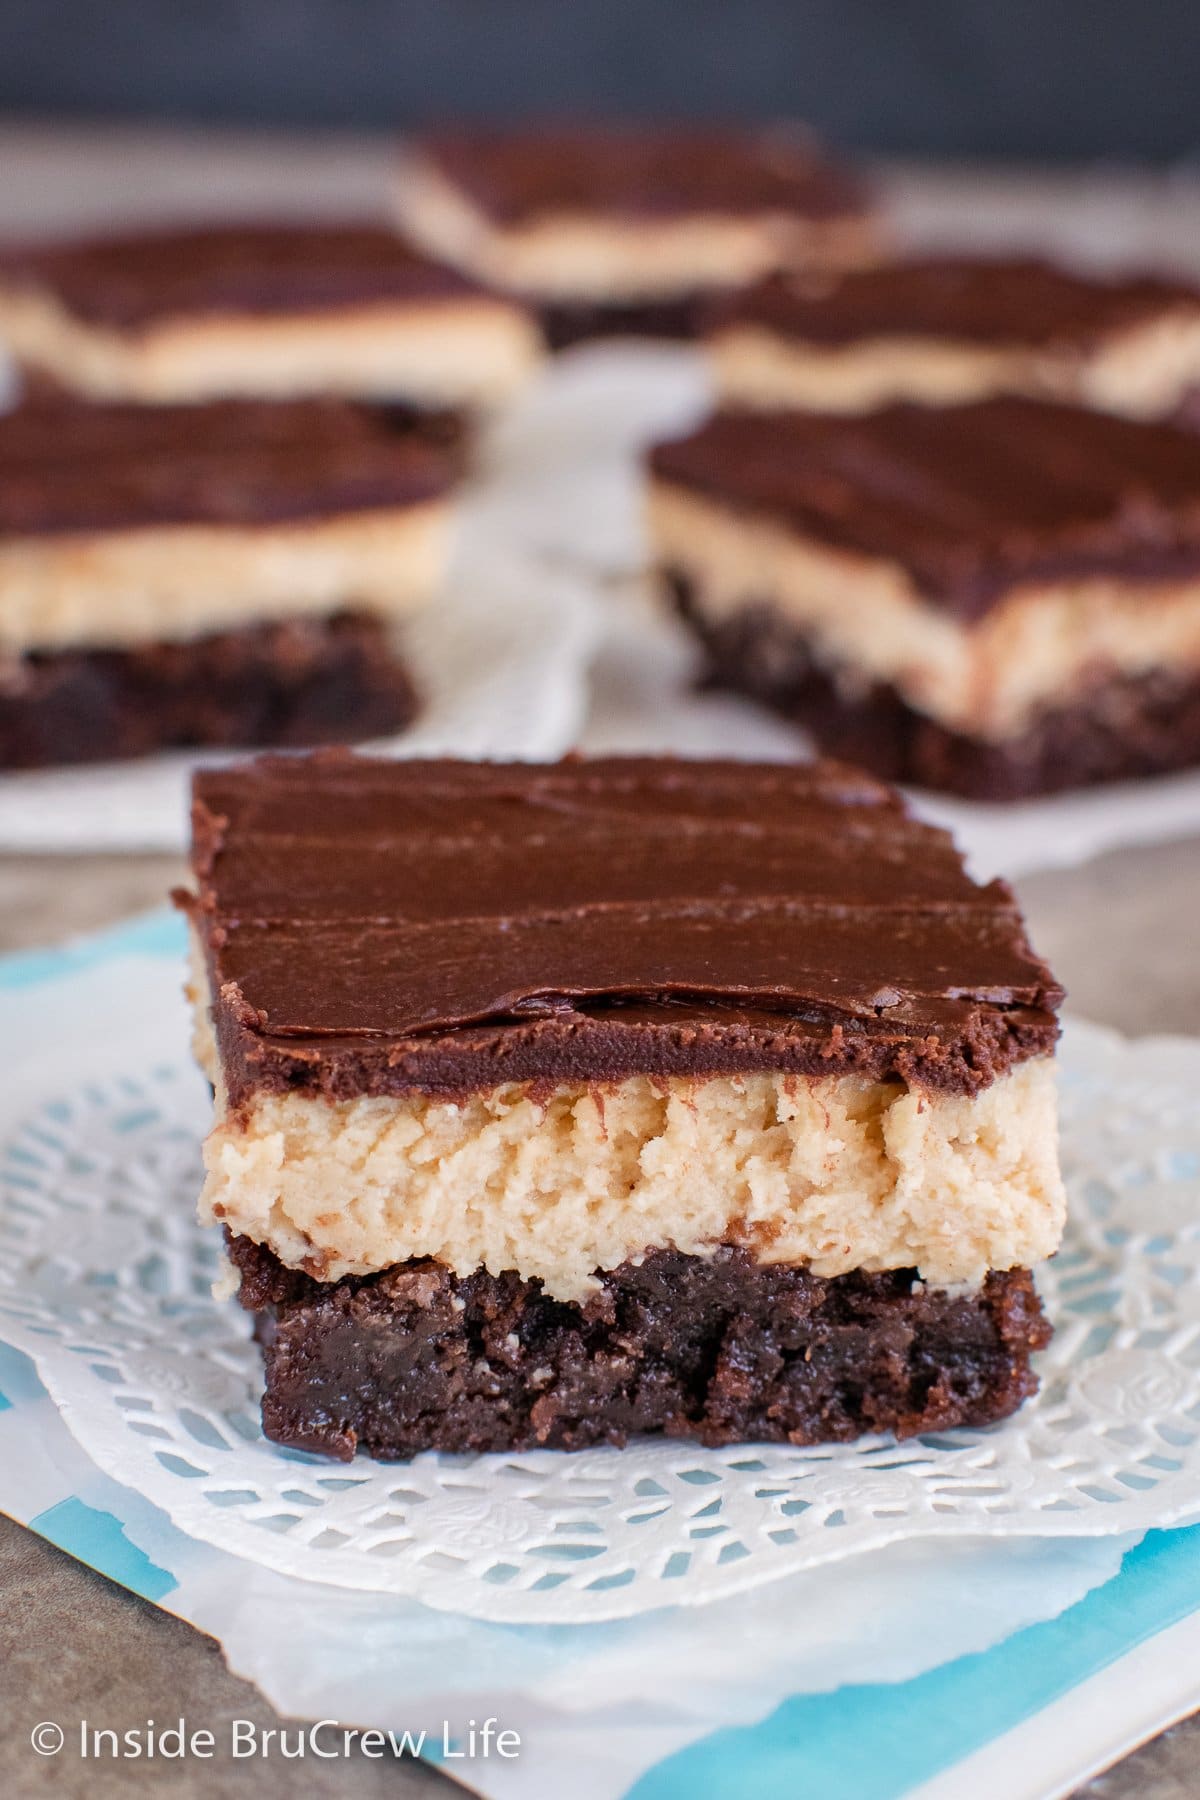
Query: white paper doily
(104, 1281)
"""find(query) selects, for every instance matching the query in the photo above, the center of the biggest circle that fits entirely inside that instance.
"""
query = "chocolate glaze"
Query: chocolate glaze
(382, 927)
(303, 681)
(977, 300)
(126, 282)
(718, 1348)
(969, 501)
(518, 177)
(1114, 727)
(67, 465)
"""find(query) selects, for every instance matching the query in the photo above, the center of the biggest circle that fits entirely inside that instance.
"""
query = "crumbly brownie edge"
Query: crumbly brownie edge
(1123, 729)
(303, 681)
(719, 1349)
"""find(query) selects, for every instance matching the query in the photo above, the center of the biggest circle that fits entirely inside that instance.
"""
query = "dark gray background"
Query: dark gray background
(1018, 78)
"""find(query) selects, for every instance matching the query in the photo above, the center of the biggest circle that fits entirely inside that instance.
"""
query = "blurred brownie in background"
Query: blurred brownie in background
(613, 230)
(949, 329)
(263, 312)
(226, 574)
(995, 599)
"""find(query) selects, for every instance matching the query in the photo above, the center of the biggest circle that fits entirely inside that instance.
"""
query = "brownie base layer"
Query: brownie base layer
(720, 1349)
(682, 317)
(334, 680)
(1120, 730)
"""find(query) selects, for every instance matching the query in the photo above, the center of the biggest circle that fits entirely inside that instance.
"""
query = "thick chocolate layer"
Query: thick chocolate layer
(1116, 729)
(306, 681)
(721, 1349)
(374, 927)
(978, 300)
(446, 428)
(70, 466)
(130, 281)
(518, 177)
(969, 501)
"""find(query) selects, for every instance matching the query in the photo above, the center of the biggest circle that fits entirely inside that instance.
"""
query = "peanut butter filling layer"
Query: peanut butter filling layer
(1144, 371)
(474, 352)
(867, 620)
(835, 1174)
(174, 582)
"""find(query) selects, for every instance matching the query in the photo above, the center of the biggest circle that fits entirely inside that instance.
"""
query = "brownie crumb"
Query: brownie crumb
(721, 1349)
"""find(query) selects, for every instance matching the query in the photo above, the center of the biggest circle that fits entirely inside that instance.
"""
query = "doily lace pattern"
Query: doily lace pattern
(105, 1282)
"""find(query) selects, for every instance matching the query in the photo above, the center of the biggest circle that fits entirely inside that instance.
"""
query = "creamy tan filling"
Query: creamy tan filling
(1142, 372)
(469, 353)
(867, 622)
(753, 367)
(575, 256)
(837, 1174)
(174, 582)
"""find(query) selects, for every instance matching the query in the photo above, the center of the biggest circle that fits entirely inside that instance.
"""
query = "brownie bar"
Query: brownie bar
(948, 329)
(717, 1348)
(261, 310)
(707, 1097)
(226, 575)
(611, 230)
(996, 597)
(967, 502)
(1118, 730)
(305, 681)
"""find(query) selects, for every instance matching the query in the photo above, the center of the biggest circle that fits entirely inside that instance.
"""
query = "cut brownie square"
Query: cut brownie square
(555, 1104)
(947, 329)
(615, 230)
(261, 312)
(995, 599)
(228, 574)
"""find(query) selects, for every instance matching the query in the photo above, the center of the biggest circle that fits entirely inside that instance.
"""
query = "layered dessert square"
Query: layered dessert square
(995, 599)
(560, 1104)
(947, 329)
(262, 312)
(630, 229)
(226, 574)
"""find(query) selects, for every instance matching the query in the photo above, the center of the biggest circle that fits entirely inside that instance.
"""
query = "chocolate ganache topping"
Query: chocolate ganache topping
(69, 466)
(377, 926)
(134, 280)
(987, 301)
(631, 171)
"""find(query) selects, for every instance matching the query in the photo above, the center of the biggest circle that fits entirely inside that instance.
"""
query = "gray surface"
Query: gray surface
(960, 76)
(1121, 934)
